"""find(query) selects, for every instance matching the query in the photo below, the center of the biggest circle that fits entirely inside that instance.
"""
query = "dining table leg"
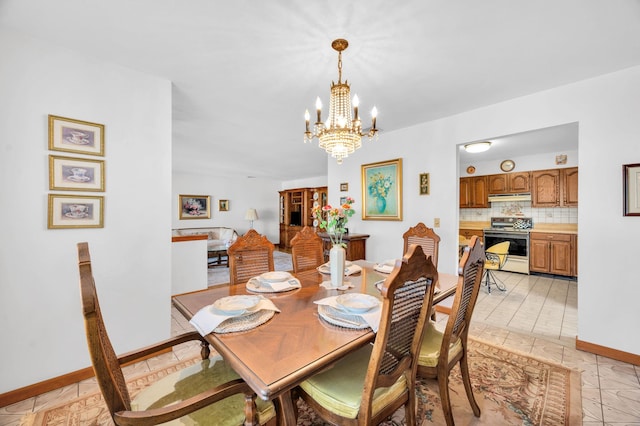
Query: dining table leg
(287, 410)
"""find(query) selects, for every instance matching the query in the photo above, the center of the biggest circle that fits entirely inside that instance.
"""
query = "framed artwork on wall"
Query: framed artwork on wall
(424, 184)
(631, 185)
(75, 211)
(70, 135)
(194, 206)
(344, 186)
(223, 205)
(76, 174)
(382, 190)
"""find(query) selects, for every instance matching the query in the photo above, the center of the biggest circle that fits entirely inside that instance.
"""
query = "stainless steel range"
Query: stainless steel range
(516, 231)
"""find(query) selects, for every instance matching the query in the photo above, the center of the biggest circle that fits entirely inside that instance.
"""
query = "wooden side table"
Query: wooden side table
(218, 256)
(356, 245)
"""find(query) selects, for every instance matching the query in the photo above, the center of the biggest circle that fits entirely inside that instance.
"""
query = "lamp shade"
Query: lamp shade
(251, 214)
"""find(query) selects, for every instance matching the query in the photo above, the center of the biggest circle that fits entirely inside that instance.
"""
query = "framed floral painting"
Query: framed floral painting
(382, 190)
(195, 206)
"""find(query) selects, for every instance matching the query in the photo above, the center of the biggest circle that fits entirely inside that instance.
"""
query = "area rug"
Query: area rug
(220, 274)
(511, 388)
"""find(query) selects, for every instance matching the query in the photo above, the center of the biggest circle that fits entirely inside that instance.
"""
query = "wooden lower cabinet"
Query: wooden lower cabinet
(553, 253)
(356, 245)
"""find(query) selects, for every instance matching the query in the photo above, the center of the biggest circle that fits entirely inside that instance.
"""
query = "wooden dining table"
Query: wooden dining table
(296, 343)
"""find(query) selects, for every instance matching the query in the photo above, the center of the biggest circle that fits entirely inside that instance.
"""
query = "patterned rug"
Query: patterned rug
(220, 274)
(511, 388)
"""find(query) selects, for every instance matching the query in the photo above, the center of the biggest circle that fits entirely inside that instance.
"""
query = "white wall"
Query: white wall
(242, 193)
(41, 325)
(607, 110)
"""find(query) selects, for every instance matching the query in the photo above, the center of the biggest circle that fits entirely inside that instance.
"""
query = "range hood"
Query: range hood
(509, 197)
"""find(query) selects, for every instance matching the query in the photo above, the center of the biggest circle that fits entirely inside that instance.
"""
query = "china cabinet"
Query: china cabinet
(295, 211)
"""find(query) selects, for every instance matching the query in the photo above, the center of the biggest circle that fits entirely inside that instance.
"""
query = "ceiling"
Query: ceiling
(243, 72)
(556, 139)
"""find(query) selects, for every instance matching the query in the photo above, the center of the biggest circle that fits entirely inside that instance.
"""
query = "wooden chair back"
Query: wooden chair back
(407, 298)
(470, 272)
(426, 238)
(306, 250)
(250, 256)
(104, 359)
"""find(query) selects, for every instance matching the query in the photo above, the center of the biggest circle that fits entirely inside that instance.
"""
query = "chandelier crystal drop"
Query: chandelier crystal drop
(341, 134)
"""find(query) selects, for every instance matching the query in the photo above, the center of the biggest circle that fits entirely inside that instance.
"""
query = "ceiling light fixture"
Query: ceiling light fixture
(342, 133)
(477, 147)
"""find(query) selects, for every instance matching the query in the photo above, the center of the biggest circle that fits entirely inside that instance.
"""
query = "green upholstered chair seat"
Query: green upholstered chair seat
(193, 380)
(339, 389)
(430, 349)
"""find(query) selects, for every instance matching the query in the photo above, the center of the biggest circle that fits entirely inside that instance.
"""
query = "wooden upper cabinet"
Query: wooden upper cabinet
(570, 187)
(473, 192)
(509, 183)
(555, 187)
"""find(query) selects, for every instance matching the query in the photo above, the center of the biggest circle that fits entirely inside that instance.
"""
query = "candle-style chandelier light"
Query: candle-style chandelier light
(342, 133)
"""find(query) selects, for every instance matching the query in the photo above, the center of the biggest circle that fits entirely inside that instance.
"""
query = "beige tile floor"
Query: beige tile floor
(536, 315)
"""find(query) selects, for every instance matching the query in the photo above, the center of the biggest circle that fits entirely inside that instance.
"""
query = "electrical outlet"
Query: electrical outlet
(436, 222)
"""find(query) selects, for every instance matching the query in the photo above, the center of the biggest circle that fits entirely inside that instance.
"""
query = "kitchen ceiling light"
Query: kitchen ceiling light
(342, 133)
(477, 147)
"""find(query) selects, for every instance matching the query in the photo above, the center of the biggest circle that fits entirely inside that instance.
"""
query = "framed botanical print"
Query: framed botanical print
(382, 190)
(194, 206)
(75, 211)
(76, 174)
(631, 185)
(223, 205)
(71, 135)
(424, 184)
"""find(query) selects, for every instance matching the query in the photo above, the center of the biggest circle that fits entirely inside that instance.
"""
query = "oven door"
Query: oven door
(518, 260)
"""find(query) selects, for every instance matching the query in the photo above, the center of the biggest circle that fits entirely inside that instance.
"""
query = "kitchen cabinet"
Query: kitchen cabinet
(553, 253)
(473, 192)
(509, 183)
(554, 188)
(295, 211)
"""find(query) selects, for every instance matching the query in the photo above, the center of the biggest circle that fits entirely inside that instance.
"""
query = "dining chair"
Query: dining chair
(207, 390)
(250, 256)
(370, 384)
(441, 351)
(306, 250)
(426, 238)
(496, 256)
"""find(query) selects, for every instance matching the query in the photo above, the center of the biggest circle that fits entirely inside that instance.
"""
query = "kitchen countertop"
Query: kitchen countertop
(561, 228)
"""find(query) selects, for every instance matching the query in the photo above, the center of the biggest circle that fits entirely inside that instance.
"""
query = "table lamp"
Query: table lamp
(251, 215)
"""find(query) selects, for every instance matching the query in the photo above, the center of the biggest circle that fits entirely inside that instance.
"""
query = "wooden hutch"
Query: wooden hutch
(295, 211)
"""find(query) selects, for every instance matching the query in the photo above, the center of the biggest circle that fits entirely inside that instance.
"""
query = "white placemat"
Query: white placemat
(329, 285)
(207, 320)
(371, 317)
(350, 269)
(256, 285)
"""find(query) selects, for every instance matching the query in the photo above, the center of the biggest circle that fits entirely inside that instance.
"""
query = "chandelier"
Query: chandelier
(342, 133)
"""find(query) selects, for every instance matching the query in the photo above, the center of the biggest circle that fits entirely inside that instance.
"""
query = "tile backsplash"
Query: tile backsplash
(521, 208)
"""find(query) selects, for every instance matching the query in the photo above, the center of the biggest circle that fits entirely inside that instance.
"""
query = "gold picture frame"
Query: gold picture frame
(75, 211)
(382, 190)
(424, 184)
(631, 185)
(76, 174)
(344, 187)
(223, 205)
(194, 206)
(71, 135)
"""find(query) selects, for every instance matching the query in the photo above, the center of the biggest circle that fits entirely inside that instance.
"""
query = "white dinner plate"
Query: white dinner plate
(275, 276)
(357, 302)
(235, 305)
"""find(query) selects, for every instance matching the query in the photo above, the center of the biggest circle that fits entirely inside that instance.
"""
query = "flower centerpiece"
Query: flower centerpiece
(379, 187)
(336, 219)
